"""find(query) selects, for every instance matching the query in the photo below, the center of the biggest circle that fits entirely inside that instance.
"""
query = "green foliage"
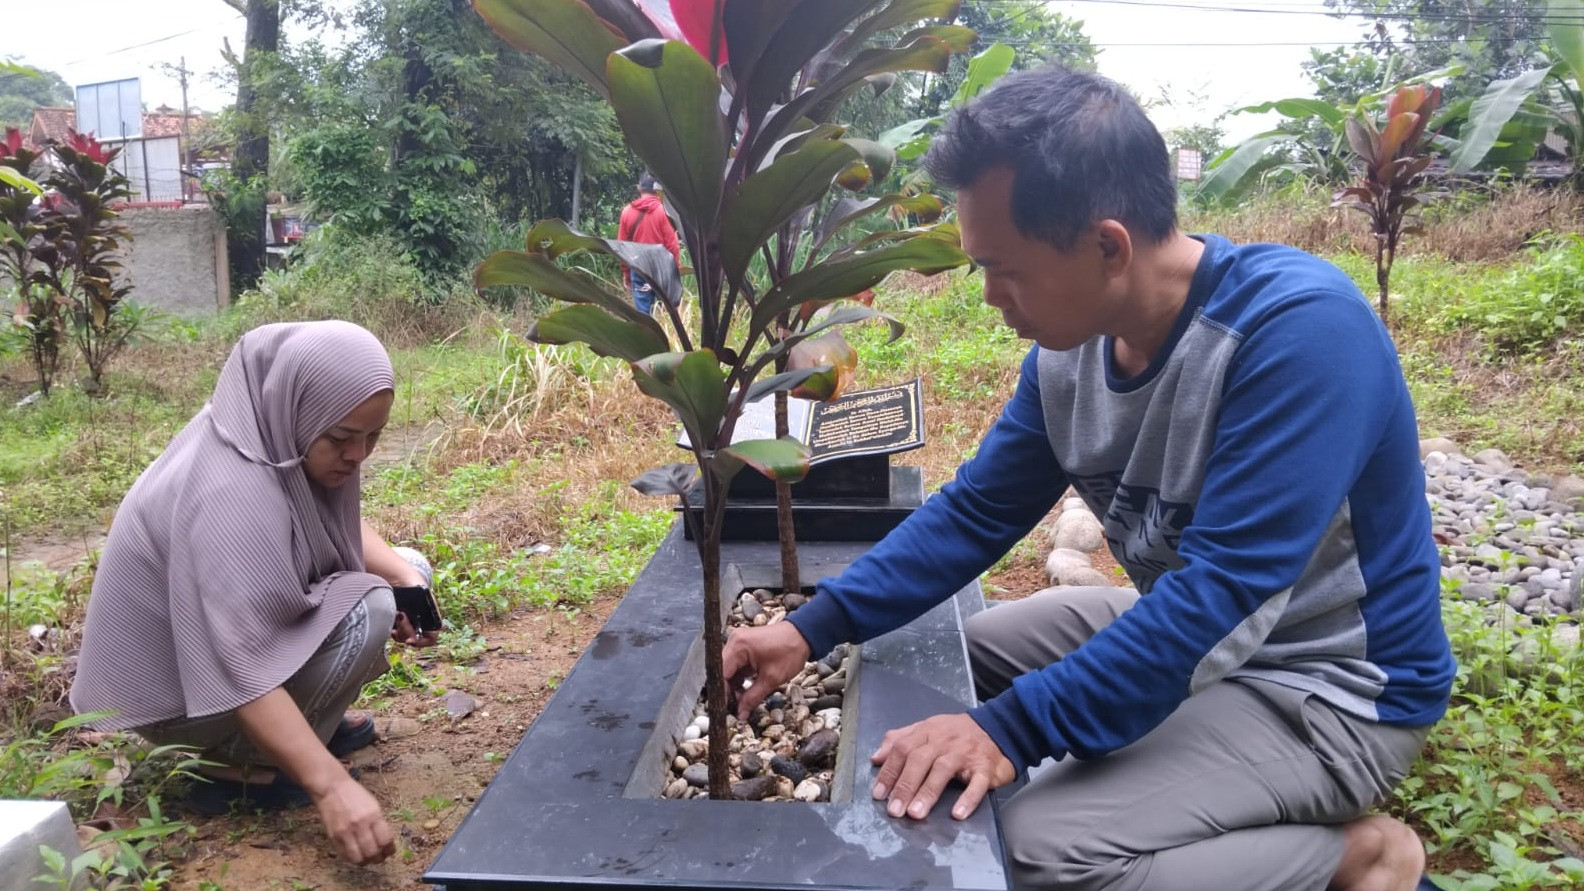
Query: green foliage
(1484, 785)
(112, 772)
(1492, 39)
(343, 172)
(1038, 33)
(24, 88)
(1534, 305)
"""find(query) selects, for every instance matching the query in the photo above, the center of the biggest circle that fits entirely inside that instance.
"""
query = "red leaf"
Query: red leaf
(699, 20)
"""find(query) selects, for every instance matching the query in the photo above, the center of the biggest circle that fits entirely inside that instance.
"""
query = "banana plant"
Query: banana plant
(1322, 159)
(732, 107)
(1508, 120)
(1394, 159)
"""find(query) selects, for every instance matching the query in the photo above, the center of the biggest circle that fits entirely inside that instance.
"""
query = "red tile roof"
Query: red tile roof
(50, 124)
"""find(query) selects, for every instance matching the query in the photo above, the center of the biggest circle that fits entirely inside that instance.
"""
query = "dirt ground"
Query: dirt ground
(428, 780)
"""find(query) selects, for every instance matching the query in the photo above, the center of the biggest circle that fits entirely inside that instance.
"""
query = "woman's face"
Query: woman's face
(334, 457)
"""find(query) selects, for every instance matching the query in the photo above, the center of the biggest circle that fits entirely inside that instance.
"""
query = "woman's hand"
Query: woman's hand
(405, 633)
(355, 822)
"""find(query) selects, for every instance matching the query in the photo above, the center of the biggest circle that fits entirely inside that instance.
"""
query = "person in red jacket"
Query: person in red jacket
(644, 220)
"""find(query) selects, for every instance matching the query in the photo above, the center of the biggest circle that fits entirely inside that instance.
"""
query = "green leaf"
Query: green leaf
(1565, 24)
(984, 69)
(1490, 113)
(693, 384)
(672, 479)
(773, 195)
(554, 238)
(604, 333)
(1226, 174)
(858, 272)
(957, 37)
(537, 271)
(809, 28)
(786, 380)
(1299, 109)
(899, 13)
(783, 460)
(879, 157)
(16, 180)
(902, 134)
(667, 98)
(566, 33)
(924, 53)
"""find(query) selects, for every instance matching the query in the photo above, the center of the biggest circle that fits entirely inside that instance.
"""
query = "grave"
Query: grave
(577, 804)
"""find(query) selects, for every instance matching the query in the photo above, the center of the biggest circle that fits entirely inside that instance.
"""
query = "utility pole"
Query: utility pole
(182, 75)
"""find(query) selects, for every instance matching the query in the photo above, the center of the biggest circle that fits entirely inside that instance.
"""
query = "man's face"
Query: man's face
(1055, 298)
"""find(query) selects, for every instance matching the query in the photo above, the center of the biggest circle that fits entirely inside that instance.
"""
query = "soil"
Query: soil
(429, 780)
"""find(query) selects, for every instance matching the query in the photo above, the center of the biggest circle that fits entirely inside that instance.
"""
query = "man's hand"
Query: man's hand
(917, 761)
(355, 823)
(405, 633)
(770, 655)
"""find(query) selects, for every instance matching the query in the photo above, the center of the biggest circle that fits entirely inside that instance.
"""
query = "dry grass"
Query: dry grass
(1468, 226)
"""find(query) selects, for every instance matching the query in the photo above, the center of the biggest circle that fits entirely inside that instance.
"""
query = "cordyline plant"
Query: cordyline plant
(86, 236)
(1394, 159)
(736, 122)
(39, 310)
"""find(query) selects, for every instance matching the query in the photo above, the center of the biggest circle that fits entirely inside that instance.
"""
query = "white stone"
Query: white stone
(1438, 444)
(691, 731)
(1085, 578)
(702, 723)
(24, 826)
(1074, 504)
(808, 790)
(1063, 562)
(1078, 530)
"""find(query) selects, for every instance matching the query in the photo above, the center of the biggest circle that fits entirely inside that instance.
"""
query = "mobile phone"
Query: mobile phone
(418, 604)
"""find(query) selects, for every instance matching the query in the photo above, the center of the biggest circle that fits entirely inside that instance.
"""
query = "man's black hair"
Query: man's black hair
(646, 182)
(1080, 149)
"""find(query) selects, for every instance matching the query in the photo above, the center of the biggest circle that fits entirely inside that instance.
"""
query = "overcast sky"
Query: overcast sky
(1217, 50)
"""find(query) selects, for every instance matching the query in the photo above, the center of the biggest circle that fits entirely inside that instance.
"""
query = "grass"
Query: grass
(506, 464)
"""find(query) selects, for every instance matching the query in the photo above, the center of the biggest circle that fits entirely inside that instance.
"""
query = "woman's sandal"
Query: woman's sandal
(349, 737)
(213, 797)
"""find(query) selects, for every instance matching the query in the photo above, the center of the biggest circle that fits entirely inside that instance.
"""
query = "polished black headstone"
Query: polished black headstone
(563, 813)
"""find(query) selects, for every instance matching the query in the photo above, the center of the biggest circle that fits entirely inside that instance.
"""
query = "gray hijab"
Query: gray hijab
(226, 567)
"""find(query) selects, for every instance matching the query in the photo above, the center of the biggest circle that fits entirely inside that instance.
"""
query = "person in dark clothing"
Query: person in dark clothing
(644, 220)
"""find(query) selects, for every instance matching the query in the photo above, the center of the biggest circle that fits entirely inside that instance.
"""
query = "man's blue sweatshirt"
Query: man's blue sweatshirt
(1260, 484)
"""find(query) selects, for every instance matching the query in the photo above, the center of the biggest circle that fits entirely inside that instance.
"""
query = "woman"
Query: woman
(241, 602)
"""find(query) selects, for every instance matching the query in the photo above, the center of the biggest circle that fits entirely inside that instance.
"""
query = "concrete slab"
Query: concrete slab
(24, 827)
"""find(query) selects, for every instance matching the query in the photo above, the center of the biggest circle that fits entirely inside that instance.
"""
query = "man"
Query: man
(644, 220)
(1237, 417)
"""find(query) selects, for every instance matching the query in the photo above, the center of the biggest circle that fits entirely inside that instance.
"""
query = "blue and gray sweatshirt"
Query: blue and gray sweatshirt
(1260, 484)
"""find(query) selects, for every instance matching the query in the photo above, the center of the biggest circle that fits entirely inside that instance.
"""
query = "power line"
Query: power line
(1538, 17)
(157, 40)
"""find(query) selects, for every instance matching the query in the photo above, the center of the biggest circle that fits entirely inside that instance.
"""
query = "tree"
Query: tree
(244, 201)
(1491, 39)
(27, 88)
(1037, 33)
(748, 171)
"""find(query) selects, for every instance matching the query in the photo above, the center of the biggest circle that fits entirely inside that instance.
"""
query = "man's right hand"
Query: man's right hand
(355, 823)
(769, 655)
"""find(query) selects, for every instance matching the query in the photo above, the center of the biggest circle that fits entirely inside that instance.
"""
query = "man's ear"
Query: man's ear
(1116, 246)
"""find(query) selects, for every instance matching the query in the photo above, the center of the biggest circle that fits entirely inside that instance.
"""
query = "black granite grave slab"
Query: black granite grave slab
(852, 519)
(568, 811)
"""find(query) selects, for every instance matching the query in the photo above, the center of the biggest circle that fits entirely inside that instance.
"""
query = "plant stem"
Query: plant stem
(714, 637)
(786, 531)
